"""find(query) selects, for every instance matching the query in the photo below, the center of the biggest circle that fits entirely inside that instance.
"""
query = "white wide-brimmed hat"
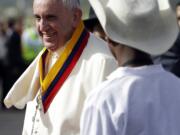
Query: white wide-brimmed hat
(147, 25)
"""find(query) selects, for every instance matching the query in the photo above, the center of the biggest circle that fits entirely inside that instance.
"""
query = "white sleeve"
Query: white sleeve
(22, 91)
(96, 121)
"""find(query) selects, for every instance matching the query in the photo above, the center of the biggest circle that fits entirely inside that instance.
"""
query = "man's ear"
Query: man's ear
(77, 14)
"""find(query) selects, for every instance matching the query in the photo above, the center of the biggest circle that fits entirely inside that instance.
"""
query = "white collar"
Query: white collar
(123, 71)
(56, 54)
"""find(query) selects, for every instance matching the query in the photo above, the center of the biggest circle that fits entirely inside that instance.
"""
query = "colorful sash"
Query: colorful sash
(52, 82)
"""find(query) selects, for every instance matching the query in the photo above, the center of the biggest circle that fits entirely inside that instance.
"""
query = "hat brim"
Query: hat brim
(154, 38)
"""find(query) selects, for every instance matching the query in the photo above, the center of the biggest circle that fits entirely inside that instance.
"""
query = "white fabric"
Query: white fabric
(147, 25)
(25, 88)
(134, 101)
(52, 58)
(63, 115)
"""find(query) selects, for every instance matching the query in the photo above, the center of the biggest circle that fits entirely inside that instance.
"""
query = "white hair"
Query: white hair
(71, 3)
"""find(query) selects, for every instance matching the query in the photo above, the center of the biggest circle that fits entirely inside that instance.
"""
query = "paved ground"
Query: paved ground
(11, 122)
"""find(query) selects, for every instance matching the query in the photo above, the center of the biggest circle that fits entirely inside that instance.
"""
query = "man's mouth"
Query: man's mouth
(49, 36)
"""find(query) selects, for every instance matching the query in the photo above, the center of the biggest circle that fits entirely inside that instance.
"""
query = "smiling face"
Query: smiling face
(54, 23)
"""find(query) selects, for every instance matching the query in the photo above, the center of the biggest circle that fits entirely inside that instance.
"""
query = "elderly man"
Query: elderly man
(138, 98)
(59, 79)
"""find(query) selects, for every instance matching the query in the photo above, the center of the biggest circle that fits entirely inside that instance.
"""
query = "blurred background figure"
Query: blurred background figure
(90, 20)
(2, 41)
(171, 59)
(32, 44)
(2, 51)
(93, 25)
(14, 63)
(19, 43)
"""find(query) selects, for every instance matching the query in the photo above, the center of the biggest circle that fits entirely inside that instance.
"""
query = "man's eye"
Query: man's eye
(37, 18)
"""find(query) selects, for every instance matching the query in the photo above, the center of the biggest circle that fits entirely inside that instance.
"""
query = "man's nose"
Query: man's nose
(43, 24)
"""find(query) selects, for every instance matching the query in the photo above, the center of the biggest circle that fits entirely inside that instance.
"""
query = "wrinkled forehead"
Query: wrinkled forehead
(47, 4)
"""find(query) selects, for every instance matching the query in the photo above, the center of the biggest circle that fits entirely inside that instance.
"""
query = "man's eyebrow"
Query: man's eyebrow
(50, 15)
(35, 15)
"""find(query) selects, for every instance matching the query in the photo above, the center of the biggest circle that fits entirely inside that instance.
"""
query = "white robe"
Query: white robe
(134, 101)
(63, 115)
